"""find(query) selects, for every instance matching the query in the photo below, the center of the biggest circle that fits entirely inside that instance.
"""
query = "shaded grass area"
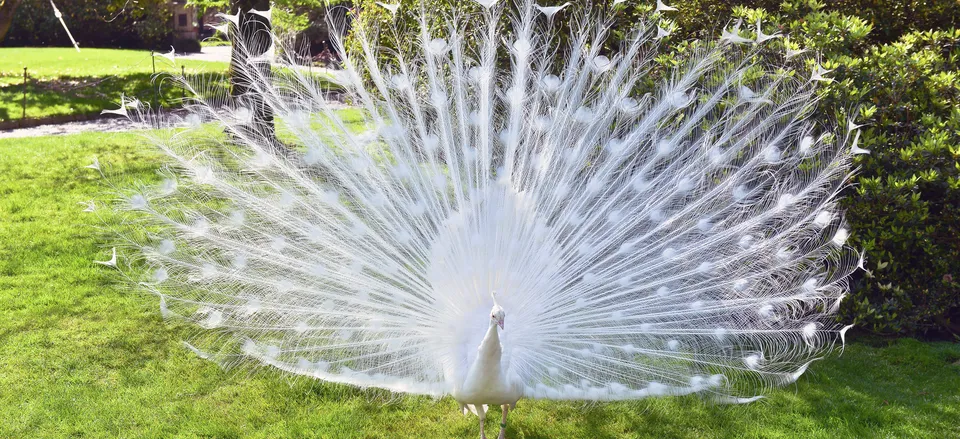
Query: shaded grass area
(80, 356)
(62, 81)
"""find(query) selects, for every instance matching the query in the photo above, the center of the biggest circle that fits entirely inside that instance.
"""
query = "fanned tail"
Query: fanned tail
(644, 240)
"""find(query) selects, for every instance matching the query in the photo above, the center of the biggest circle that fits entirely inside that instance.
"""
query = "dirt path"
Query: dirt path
(104, 125)
(107, 124)
(212, 53)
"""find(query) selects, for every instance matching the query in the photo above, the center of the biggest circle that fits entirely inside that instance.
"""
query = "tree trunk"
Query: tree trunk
(254, 35)
(7, 9)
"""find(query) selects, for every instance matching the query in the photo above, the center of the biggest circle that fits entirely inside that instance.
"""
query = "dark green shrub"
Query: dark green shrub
(144, 24)
(905, 209)
(889, 18)
(187, 45)
(904, 205)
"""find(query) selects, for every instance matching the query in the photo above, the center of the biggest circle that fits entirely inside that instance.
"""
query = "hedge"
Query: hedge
(141, 24)
(905, 209)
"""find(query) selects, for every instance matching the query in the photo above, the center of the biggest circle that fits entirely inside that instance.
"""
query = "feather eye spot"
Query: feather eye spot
(437, 46)
(584, 114)
(629, 105)
(809, 331)
(522, 47)
(166, 247)
(551, 83)
(765, 311)
(160, 275)
(823, 219)
(137, 202)
(720, 334)
(740, 285)
(602, 63)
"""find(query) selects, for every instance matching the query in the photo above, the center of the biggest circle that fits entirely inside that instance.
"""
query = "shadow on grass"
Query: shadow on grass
(69, 95)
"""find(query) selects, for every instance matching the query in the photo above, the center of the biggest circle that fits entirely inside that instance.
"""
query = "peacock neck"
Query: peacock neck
(490, 346)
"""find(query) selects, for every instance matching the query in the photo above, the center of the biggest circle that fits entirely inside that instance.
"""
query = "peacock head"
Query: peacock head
(496, 313)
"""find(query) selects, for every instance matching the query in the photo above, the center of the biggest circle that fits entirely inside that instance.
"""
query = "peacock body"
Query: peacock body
(496, 231)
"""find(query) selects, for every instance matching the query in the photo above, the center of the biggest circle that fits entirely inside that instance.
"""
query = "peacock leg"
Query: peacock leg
(503, 422)
(482, 414)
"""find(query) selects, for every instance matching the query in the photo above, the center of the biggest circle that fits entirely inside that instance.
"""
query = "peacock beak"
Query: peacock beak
(500, 323)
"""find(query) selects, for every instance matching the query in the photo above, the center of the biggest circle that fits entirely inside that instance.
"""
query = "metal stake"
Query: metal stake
(183, 89)
(24, 104)
(156, 99)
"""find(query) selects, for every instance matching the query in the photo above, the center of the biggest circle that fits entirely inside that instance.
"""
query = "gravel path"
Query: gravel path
(104, 125)
(108, 124)
(213, 53)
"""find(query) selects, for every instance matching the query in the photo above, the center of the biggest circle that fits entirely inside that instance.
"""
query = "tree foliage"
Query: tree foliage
(289, 16)
(7, 9)
(142, 24)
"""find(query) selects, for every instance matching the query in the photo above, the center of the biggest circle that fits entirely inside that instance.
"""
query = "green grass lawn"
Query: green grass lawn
(62, 81)
(82, 357)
